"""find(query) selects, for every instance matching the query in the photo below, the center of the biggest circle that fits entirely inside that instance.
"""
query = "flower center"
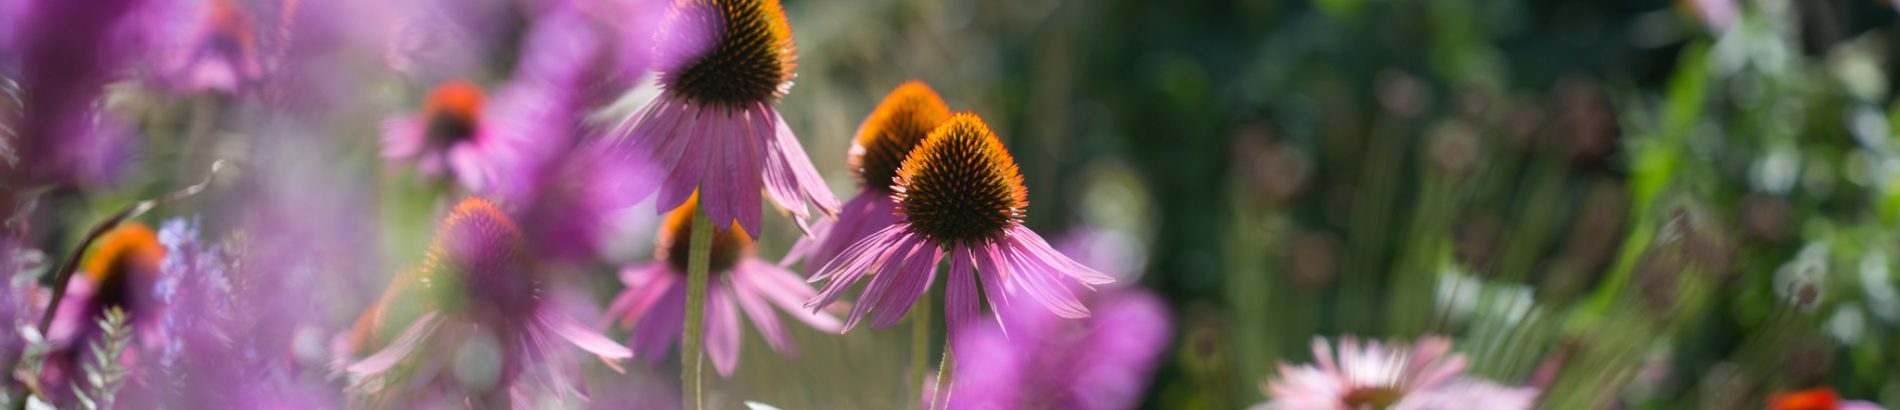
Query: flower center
(478, 260)
(126, 256)
(676, 236)
(727, 52)
(960, 185)
(452, 110)
(1371, 397)
(893, 129)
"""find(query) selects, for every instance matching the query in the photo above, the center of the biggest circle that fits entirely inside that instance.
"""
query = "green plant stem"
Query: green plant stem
(920, 319)
(940, 396)
(692, 367)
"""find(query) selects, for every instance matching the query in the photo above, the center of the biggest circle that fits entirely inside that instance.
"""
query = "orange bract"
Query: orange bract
(676, 233)
(129, 249)
(960, 185)
(898, 124)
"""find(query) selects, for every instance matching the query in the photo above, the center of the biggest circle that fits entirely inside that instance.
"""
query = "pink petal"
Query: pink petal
(1036, 279)
(745, 290)
(403, 137)
(747, 179)
(789, 292)
(398, 349)
(685, 177)
(1029, 240)
(993, 273)
(917, 276)
(889, 271)
(808, 178)
(583, 337)
(722, 331)
(961, 306)
(656, 331)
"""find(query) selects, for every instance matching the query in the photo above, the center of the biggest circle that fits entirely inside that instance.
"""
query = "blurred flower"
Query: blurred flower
(566, 195)
(958, 192)
(1045, 361)
(1716, 15)
(1380, 376)
(654, 303)
(713, 128)
(216, 48)
(451, 135)
(119, 273)
(63, 53)
(896, 126)
(1818, 398)
(486, 332)
(210, 350)
(1801, 283)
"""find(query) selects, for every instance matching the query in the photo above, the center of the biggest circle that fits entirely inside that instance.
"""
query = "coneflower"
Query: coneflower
(959, 194)
(1375, 375)
(450, 135)
(896, 126)
(1818, 398)
(723, 65)
(654, 302)
(485, 334)
(217, 51)
(119, 273)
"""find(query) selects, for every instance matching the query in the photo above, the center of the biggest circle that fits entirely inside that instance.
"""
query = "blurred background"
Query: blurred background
(1632, 203)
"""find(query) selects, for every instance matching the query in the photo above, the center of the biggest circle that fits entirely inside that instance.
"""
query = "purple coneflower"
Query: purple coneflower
(485, 334)
(959, 193)
(901, 121)
(1424, 376)
(565, 195)
(713, 128)
(1818, 398)
(218, 51)
(654, 303)
(119, 273)
(450, 135)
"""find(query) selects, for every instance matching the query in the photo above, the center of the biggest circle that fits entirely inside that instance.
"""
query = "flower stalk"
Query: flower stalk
(692, 345)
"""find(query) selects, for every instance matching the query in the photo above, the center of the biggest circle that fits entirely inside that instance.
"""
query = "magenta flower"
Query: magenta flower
(451, 135)
(565, 195)
(898, 123)
(654, 303)
(959, 192)
(119, 273)
(485, 335)
(713, 128)
(1046, 362)
(217, 49)
(1375, 375)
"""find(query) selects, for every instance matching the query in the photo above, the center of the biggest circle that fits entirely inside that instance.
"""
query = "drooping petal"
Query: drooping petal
(785, 289)
(1028, 240)
(1036, 279)
(961, 305)
(722, 330)
(583, 337)
(910, 284)
(745, 290)
(400, 348)
(889, 271)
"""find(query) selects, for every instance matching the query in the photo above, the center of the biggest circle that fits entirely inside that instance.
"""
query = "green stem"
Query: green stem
(940, 396)
(920, 318)
(692, 367)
